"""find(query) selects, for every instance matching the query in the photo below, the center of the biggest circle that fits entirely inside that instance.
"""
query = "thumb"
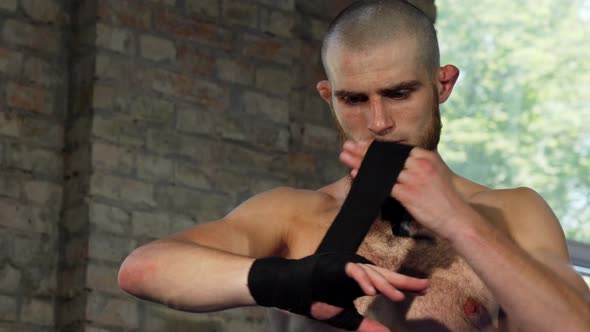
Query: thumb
(369, 325)
(345, 318)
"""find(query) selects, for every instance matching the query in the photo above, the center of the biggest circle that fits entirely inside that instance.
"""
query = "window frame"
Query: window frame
(580, 256)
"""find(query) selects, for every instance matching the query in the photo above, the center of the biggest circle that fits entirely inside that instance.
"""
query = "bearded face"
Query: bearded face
(426, 138)
(383, 93)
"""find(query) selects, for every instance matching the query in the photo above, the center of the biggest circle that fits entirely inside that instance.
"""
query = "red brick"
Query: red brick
(194, 62)
(129, 13)
(267, 48)
(207, 33)
(29, 98)
(209, 95)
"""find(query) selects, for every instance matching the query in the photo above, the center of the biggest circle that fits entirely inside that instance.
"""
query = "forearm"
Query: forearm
(533, 296)
(187, 276)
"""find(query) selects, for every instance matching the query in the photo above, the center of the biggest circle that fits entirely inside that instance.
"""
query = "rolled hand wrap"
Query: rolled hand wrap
(294, 284)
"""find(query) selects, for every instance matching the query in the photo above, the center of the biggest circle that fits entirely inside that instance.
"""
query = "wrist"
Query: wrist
(263, 275)
(245, 297)
(466, 223)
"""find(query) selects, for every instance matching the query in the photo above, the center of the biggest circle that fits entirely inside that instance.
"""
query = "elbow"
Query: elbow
(134, 272)
(125, 277)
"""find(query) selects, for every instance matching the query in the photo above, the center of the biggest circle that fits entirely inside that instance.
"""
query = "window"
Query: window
(520, 113)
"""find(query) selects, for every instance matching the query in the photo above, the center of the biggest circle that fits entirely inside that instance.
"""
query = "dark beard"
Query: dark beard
(431, 137)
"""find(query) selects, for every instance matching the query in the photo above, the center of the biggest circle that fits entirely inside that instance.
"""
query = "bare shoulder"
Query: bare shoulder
(532, 225)
(522, 203)
(528, 218)
(258, 227)
(283, 202)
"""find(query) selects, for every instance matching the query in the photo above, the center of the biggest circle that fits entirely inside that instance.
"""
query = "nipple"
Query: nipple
(476, 313)
(471, 307)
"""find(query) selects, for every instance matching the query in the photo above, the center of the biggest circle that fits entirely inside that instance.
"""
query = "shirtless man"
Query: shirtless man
(490, 259)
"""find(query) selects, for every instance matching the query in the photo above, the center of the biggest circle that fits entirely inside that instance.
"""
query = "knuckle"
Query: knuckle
(426, 166)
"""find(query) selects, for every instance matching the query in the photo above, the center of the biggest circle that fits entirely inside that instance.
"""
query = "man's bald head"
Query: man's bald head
(369, 23)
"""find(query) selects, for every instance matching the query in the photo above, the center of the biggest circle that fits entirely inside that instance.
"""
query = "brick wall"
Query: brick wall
(122, 121)
(33, 63)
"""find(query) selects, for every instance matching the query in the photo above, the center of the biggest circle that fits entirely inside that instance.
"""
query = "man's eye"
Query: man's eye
(354, 100)
(397, 94)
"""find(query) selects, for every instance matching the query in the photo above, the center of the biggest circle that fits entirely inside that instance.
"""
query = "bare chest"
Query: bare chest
(456, 300)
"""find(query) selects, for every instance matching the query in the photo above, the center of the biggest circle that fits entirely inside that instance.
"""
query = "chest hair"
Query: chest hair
(456, 295)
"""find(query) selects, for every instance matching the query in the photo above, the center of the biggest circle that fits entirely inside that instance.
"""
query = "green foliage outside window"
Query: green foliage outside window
(520, 113)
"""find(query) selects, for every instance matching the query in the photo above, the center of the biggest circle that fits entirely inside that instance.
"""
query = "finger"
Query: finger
(350, 146)
(356, 272)
(353, 150)
(354, 173)
(402, 281)
(417, 152)
(357, 146)
(381, 284)
(411, 162)
(369, 325)
(401, 192)
(350, 160)
(323, 311)
(404, 176)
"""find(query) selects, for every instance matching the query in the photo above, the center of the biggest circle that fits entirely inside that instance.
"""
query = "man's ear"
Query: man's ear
(447, 78)
(325, 90)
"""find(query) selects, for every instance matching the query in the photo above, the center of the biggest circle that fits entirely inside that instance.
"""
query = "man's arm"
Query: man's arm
(205, 268)
(527, 277)
(208, 267)
(526, 270)
(529, 274)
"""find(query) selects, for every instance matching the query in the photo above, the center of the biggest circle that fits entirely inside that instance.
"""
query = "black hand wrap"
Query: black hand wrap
(293, 285)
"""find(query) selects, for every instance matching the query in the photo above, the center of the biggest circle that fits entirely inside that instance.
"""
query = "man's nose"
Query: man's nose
(380, 123)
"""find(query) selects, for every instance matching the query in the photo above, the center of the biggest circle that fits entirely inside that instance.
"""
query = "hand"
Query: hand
(326, 285)
(424, 187)
(373, 280)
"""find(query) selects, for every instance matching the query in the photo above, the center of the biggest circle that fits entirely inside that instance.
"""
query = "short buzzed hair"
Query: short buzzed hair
(367, 23)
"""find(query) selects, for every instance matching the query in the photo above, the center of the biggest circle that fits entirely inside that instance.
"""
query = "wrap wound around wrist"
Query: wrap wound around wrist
(293, 285)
